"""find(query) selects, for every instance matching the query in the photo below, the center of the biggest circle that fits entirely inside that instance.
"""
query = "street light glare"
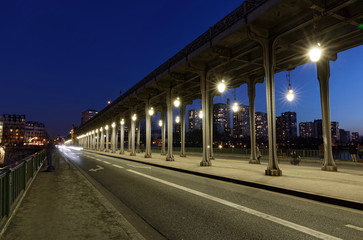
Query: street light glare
(134, 117)
(221, 86)
(151, 111)
(235, 107)
(160, 123)
(177, 102)
(122, 121)
(290, 95)
(315, 53)
(177, 119)
(201, 114)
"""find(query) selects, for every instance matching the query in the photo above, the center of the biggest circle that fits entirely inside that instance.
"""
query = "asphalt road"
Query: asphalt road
(184, 206)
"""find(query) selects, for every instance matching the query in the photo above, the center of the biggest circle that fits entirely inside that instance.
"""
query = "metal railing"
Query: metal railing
(14, 181)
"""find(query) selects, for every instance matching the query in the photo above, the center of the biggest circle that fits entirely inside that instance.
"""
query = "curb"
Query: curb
(310, 196)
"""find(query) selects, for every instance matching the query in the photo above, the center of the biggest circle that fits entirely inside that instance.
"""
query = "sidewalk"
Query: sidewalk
(65, 205)
(344, 188)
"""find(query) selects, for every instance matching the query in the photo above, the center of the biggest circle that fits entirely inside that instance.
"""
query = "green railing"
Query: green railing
(13, 182)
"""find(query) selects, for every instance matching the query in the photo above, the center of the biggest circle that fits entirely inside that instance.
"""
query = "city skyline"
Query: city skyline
(61, 61)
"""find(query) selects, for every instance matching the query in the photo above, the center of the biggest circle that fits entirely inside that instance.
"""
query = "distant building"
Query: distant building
(241, 122)
(286, 126)
(13, 127)
(344, 136)
(306, 129)
(35, 133)
(194, 122)
(335, 137)
(87, 115)
(220, 119)
(318, 128)
(261, 125)
(355, 137)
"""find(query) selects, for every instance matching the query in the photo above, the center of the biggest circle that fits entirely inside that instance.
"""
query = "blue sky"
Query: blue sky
(59, 58)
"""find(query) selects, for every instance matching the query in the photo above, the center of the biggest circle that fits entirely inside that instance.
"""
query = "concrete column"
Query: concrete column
(122, 136)
(107, 130)
(113, 138)
(132, 140)
(204, 88)
(182, 130)
(211, 156)
(129, 142)
(148, 131)
(169, 104)
(163, 131)
(98, 140)
(323, 70)
(138, 137)
(94, 140)
(102, 132)
(251, 88)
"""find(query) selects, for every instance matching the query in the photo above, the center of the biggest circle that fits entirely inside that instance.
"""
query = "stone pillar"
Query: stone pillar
(113, 138)
(169, 104)
(204, 88)
(129, 142)
(148, 131)
(251, 89)
(163, 131)
(182, 130)
(107, 138)
(132, 140)
(122, 137)
(138, 137)
(323, 70)
(102, 139)
(211, 156)
(98, 144)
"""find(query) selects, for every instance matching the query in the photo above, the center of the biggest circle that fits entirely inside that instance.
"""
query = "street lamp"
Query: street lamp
(177, 119)
(221, 86)
(113, 125)
(106, 128)
(134, 117)
(151, 111)
(122, 122)
(201, 114)
(177, 102)
(315, 53)
(160, 123)
(290, 93)
(235, 107)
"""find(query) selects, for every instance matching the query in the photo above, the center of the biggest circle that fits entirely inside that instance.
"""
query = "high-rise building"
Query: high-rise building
(306, 129)
(194, 122)
(220, 120)
(13, 127)
(286, 126)
(261, 125)
(87, 115)
(241, 122)
(335, 137)
(318, 128)
(355, 137)
(344, 136)
(35, 133)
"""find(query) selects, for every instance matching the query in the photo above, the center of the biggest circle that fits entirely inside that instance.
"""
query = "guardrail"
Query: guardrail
(13, 183)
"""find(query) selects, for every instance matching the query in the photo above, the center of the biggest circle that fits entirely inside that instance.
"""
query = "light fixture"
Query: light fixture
(93, 132)
(315, 53)
(108, 102)
(96, 130)
(134, 117)
(122, 121)
(160, 123)
(221, 86)
(290, 93)
(235, 107)
(177, 119)
(106, 128)
(200, 114)
(151, 111)
(101, 129)
(177, 102)
(113, 125)
(220, 146)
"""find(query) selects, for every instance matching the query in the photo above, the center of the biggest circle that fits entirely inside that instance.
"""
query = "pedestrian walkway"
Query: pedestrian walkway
(344, 187)
(65, 205)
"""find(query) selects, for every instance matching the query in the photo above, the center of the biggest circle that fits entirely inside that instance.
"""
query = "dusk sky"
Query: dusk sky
(59, 58)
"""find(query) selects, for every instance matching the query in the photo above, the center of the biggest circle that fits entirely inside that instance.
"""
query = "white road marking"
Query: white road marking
(97, 159)
(271, 218)
(117, 166)
(138, 166)
(354, 227)
(106, 162)
(96, 169)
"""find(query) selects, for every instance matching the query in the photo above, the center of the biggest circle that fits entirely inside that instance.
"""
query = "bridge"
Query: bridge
(251, 44)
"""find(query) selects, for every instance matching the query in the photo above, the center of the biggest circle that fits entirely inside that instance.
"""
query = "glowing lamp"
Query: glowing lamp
(221, 86)
(290, 95)
(315, 53)
(151, 111)
(177, 102)
(122, 121)
(160, 123)
(134, 117)
(201, 114)
(235, 107)
(177, 119)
